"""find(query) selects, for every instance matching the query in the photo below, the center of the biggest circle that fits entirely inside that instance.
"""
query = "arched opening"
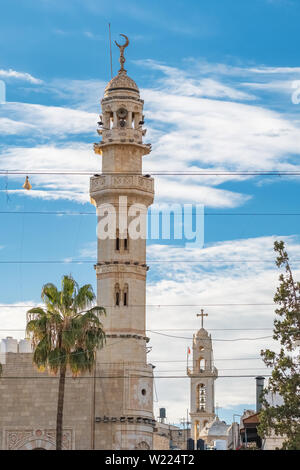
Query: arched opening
(117, 294)
(117, 240)
(111, 120)
(125, 295)
(201, 363)
(126, 241)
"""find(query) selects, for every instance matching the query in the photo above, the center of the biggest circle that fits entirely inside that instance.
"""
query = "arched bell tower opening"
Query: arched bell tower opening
(203, 375)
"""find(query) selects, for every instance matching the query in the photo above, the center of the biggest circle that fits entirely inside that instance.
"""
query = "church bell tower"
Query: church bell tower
(124, 380)
(203, 375)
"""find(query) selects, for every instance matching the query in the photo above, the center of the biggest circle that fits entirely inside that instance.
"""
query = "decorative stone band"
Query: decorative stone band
(132, 272)
(122, 263)
(204, 373)
(126, 336)
(100, 145)
(126, 419)
(122, 97)
(102, 182)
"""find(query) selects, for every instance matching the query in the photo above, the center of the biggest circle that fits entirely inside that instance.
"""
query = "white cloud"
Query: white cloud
(46, 121)
(79, 94)
(210, 133)
(183, 83)
(80, 157)
(20, 76)
(76, 156)
(11, 127)
(173, 189)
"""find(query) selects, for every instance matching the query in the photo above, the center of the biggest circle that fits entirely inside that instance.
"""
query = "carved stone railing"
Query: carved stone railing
(104, 182)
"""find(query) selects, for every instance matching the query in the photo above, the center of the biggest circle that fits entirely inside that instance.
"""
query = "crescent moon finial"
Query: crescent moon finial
(122, 47)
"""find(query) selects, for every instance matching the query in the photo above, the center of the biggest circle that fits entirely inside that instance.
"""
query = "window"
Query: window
(117, 294)
(125, 295)
(126, 243)
(201, 363)
(117, 240)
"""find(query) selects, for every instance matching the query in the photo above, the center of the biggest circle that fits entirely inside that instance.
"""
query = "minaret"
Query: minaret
(124, 393)
(203, 375)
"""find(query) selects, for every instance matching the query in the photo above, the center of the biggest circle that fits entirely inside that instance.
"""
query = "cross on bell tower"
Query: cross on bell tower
(203, 375)
(202, 314)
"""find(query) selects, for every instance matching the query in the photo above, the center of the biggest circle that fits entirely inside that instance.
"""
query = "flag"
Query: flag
(189, 351)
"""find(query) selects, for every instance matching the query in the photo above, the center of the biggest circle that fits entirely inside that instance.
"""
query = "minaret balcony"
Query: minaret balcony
(130, 182)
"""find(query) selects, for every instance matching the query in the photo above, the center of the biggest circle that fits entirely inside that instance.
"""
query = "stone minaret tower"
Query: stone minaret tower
(123, 396)
(203, 375)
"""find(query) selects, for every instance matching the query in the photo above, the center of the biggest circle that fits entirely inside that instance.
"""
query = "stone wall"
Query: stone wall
(28, 405)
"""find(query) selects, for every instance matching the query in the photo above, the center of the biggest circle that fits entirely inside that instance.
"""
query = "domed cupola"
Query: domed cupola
(122, 116)
(121, 84)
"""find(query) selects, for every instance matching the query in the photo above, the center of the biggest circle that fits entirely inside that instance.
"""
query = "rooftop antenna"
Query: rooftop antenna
(111, 70)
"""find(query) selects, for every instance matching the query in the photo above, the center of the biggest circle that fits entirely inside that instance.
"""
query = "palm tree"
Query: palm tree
(66, 333)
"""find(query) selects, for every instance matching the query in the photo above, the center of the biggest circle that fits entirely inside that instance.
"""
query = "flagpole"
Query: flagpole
(187, 359)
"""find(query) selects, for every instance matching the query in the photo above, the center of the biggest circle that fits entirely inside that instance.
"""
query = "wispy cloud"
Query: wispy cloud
(46, 121)
(13, 74)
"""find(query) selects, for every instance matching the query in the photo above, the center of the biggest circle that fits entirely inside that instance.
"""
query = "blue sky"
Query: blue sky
(217, 79)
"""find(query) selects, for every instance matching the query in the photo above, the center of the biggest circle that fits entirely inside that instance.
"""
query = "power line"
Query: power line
(156, 261)
(72, 213)
(162, 361)
(212, 339)
(156, 172)
(129, 377)
(172, 329)
(156, 305)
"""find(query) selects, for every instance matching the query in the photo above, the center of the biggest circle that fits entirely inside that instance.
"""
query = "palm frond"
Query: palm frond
(85, 297)
(50, 294)
(63, 335)
(69, 289)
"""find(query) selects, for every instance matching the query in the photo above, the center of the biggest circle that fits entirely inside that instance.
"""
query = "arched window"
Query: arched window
(117, 240)
(117, 294)
(201, 363)
(201, 397)
(126, 241)
(125, 295)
